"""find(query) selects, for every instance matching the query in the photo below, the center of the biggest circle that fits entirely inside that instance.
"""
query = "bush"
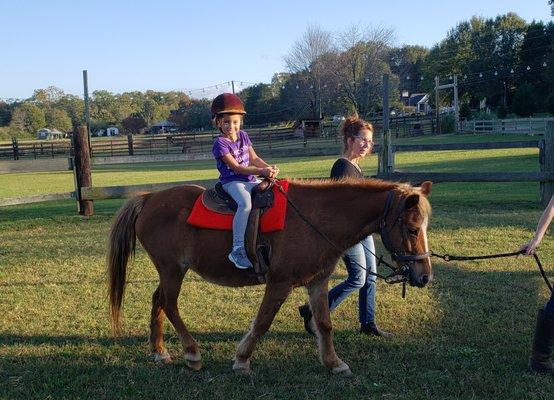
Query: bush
(465, 111)
(502, 111)
(524, 103)
(447, 123)
(550, 103)
(483, 115)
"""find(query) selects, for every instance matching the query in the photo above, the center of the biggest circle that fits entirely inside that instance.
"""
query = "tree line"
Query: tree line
(502, 62)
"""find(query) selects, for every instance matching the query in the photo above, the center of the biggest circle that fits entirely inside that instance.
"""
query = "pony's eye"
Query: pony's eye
(413, 232)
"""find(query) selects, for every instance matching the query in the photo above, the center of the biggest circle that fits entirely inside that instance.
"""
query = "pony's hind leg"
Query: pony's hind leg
(319, 305)
(157, 347)
(170, 284)
(274, 297)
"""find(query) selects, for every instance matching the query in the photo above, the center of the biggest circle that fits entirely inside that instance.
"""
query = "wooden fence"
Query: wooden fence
(267, 138)
(524, 126)
(545, 175)
(386, 152)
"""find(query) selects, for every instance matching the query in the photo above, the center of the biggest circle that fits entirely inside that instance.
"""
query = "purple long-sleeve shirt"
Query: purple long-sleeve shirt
(239, 151)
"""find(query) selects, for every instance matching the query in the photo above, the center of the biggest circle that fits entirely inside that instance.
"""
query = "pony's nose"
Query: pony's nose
(424, 280)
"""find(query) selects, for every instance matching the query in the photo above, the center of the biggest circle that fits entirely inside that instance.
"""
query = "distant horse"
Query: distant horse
(343, 211)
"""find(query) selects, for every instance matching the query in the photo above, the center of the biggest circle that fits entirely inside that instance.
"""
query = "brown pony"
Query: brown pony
(345, 211)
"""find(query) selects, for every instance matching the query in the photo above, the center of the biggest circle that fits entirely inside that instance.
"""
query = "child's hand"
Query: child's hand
(275, 170)
(267, 172)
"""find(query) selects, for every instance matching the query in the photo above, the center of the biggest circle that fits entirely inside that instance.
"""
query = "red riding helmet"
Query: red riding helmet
(227, 103)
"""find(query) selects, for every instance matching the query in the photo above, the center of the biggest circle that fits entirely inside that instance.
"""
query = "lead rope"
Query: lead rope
(448, 258)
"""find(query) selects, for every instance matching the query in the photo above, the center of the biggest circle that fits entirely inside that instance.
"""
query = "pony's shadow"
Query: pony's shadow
(486, 318)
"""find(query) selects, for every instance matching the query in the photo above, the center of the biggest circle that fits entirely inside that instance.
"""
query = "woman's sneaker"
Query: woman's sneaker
(239, 258)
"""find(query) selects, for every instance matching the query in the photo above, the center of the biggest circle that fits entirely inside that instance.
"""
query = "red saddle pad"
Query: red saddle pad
(272, 220)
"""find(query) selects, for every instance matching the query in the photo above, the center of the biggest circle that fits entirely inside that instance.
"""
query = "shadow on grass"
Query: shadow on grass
(477, 347)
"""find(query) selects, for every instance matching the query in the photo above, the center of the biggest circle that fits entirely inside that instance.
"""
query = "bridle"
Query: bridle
(385, 235)
(401, 273)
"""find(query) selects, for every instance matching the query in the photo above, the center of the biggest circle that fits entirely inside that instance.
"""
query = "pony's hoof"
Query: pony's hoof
(342, 370)
(193, 361)
(242, 368)
(161, 358)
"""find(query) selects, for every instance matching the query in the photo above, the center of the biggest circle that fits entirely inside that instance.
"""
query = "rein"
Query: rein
(448, 257)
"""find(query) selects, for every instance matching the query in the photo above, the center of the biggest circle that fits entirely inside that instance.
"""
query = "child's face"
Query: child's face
(229, 123)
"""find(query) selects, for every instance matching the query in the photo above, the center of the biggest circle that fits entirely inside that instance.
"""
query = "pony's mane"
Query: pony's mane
(371, 184)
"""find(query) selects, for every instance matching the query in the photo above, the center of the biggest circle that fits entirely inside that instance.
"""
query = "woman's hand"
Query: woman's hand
(530, 246)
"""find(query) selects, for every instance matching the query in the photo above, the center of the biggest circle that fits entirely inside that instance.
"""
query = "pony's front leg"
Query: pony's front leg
(319, 305)
(275, 295)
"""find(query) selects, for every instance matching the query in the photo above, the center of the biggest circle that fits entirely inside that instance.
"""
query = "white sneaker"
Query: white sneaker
(239, 258)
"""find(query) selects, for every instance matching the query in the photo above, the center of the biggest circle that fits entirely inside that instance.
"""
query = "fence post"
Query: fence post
(130, 144)
(547, 163)
(15, 147)
(83, 176)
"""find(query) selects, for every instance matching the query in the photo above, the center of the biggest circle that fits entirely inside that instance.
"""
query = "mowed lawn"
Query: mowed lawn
(467, 335)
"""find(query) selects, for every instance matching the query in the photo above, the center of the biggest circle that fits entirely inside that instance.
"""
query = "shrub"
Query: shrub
(524, 103)
(502, 111)
(447, 124)
(550, 103)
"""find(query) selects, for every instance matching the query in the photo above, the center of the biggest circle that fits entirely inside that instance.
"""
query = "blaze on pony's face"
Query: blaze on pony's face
(408, 233)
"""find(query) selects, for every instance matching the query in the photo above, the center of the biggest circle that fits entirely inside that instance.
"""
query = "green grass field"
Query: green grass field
(466, 336)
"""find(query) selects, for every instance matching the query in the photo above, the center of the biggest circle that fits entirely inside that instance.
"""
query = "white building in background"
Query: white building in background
(49, 134)
(112, 131)
(109, 131)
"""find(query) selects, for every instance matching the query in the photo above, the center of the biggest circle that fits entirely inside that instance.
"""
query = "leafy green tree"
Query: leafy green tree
(406, 62)
(28, 117)
(5, 113)
(74, 107)
(45, 98)
(481, 52)
(58, 119)
(104, 107)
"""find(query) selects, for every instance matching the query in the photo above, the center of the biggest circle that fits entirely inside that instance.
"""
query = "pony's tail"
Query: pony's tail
(121, 244)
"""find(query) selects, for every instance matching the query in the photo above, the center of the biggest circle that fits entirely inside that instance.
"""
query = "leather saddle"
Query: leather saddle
(218, 200)
(257, 247)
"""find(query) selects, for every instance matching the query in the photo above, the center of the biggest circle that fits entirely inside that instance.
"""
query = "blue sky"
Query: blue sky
(183, 45)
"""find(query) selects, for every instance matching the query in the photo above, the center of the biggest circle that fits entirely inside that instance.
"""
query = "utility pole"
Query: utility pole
(456, 108)
(87, 110)
(386, 155)
(437, 121)
(233, 86)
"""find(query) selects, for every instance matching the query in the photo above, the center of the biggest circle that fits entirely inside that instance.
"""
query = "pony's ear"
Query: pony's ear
(411, 201)
(426, 188)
